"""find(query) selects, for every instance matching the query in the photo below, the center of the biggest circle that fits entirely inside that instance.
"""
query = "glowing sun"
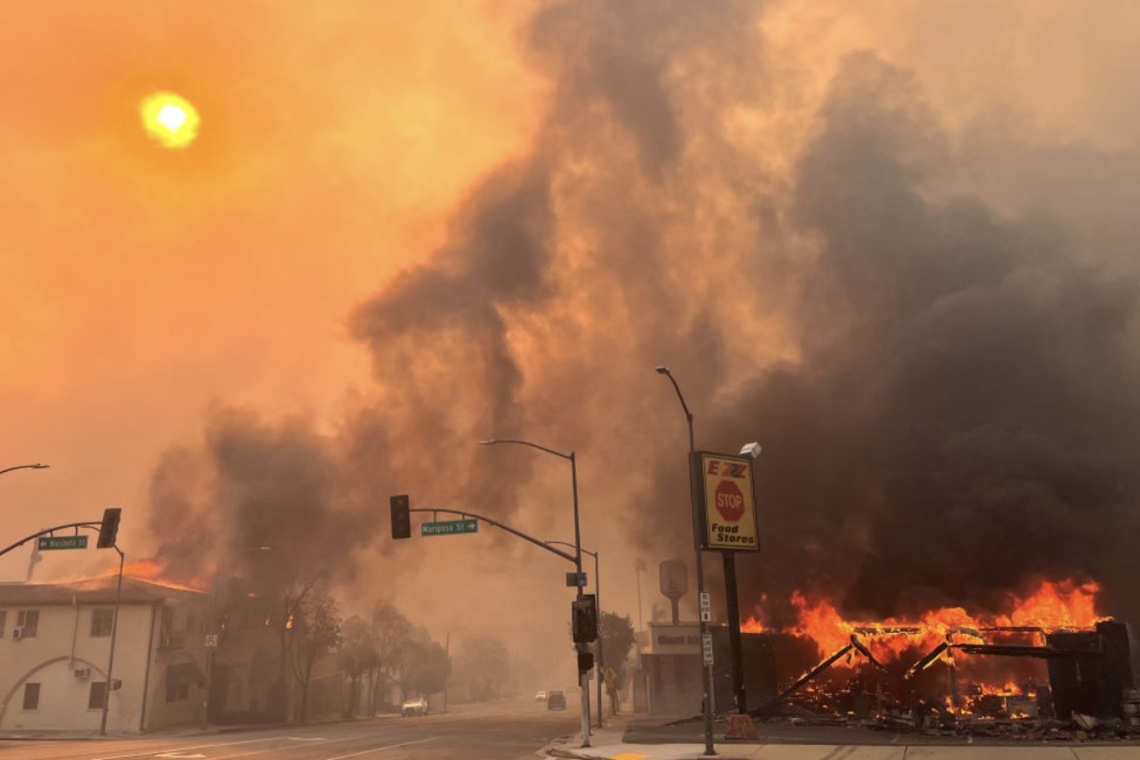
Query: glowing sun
(169, 119)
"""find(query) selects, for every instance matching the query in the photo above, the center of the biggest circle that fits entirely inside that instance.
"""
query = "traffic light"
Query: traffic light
(109, 530)
(585, 619)
(401, 517)
(585, 662)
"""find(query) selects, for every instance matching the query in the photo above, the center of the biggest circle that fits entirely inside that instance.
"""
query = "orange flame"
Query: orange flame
(145, 568)
(1054, 605)
(1057, 605)
(152, 572)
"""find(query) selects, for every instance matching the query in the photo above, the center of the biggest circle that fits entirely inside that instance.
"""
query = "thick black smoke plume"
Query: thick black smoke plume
(961, 422)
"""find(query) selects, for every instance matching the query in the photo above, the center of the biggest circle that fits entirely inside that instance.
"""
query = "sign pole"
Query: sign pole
(734, 631)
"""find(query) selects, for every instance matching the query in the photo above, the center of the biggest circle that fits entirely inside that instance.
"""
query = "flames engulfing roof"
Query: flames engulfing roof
(99, 590)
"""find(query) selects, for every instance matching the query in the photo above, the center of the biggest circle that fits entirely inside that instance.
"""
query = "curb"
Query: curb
(568, 755)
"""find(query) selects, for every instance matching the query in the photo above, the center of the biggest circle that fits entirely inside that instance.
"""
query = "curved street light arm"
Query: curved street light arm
(494, 441)
(36, 466)
(665, 371)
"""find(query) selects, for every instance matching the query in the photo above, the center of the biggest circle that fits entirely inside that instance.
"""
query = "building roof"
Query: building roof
(99, 590)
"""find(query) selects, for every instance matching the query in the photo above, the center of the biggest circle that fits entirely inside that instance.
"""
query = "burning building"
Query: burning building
(1050, 657)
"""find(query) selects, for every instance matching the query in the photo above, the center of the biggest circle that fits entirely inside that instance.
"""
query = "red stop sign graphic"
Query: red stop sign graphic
(729, 501)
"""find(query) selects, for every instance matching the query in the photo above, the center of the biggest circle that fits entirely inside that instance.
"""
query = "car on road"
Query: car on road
(555, 700)
(540, 697)
(417, 706)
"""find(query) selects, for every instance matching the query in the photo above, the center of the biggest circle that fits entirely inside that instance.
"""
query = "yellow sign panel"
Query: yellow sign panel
(728, 502)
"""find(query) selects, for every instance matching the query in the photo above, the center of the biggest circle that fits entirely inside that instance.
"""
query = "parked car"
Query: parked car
(555, 700)
(540, 697)
(417, 706)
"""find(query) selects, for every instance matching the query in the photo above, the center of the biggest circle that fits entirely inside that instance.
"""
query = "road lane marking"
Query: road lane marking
(381, 749)
(152, 752)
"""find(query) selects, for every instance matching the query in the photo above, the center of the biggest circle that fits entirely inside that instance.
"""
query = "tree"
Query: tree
(316, 632)
(390, 632)
(357, 655)
(294, 602)
(483, 662)
(425, 666)
(617, 640)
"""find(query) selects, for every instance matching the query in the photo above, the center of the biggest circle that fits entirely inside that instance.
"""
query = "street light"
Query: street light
(601, 669)
(706, 671)
(214, 625)
(582, 680)
(36, 466)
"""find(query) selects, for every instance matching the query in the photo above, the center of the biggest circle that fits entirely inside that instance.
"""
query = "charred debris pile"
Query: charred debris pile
(1018, 682)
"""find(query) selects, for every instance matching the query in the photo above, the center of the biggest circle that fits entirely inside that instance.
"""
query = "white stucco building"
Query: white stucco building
(55, 643)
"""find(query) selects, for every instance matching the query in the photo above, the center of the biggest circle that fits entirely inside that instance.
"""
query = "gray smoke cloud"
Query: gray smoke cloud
(258, 483)
(938, 359)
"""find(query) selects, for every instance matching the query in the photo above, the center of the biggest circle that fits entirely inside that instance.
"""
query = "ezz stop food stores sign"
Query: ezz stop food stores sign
(727, 503)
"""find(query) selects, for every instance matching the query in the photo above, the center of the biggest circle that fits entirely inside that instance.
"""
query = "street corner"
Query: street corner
(567, 754)
(599, 754)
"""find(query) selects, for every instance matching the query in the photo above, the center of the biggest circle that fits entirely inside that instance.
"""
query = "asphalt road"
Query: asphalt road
(503, 732)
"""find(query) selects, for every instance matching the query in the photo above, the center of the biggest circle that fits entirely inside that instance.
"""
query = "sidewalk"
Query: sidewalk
(608, 744)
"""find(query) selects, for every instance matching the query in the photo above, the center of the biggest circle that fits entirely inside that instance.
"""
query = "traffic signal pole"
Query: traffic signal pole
(498, 524)
(583, 673)
(401, 529)
(114, 632)
(50, 531)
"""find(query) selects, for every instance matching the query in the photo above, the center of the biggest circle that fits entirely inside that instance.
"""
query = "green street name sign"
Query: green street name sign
(448, 527)
(62, 542)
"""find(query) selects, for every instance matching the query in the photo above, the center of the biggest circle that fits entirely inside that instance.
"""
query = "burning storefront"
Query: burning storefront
(1051, 659)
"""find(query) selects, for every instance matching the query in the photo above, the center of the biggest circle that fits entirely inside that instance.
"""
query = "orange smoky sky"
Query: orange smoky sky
(892, 241)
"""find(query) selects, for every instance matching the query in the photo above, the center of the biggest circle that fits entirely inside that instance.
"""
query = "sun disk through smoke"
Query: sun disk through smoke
(170, 119)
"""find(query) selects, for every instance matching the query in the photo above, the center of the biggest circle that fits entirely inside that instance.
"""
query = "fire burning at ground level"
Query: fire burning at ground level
(1050, 656)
